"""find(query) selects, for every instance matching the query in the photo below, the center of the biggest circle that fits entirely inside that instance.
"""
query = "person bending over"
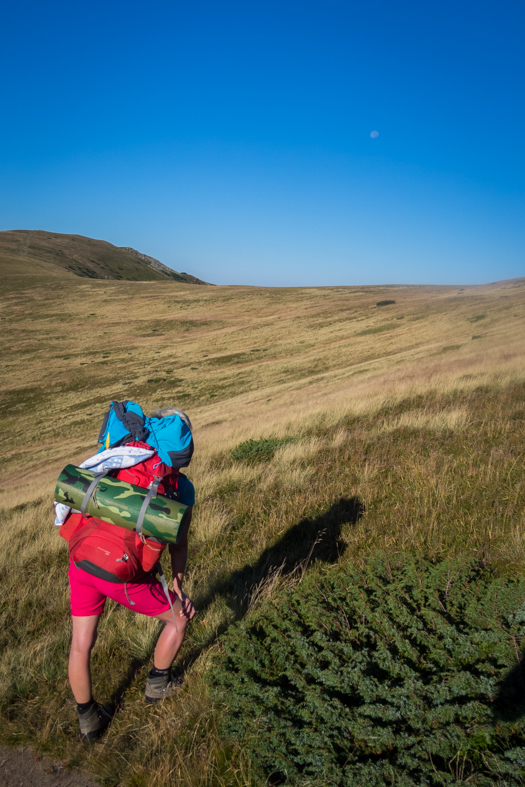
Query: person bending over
(90, 586)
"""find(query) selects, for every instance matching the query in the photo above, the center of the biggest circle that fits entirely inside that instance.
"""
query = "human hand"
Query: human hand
(188, 610)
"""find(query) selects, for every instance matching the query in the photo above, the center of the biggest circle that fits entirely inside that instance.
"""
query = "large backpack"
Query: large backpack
(104, 549)
(111, 552)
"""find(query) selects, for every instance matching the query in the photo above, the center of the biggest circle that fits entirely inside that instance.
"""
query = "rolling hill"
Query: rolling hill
(36, 254)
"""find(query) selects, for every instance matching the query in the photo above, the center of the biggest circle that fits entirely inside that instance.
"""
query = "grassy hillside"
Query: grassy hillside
(34, 254)
(395, 428)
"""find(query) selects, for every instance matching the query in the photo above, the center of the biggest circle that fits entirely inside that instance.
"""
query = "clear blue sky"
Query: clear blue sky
(232, 139)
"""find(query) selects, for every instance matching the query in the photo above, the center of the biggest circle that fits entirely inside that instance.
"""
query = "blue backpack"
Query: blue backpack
(170, 436)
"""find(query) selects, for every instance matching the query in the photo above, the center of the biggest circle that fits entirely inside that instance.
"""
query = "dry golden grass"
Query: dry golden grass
(211, 522)
(414, 411)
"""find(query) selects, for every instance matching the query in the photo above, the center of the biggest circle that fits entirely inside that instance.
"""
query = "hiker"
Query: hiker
(135, 457)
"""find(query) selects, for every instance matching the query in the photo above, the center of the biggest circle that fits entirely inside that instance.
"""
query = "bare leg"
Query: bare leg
(170, 640)
(84, 637)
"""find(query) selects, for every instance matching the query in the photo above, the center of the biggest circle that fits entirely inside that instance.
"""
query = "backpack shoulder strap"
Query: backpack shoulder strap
(152, 492)
(91, 488)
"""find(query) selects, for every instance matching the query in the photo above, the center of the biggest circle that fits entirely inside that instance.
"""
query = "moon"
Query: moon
(374, 134)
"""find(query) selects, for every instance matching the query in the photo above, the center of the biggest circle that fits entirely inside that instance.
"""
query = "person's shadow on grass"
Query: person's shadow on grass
(309, 541)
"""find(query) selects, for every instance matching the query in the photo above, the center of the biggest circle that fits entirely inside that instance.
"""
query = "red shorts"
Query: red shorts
(89, 593)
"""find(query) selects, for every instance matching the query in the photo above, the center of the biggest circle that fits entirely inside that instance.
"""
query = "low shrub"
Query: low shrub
(403, 672)
(384, 303)
(261, 450)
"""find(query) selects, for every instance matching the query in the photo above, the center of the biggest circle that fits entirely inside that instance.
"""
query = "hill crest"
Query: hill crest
(84, 257)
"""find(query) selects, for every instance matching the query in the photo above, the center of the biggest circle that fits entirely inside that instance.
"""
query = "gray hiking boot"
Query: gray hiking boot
(158, 688)
(94, 721)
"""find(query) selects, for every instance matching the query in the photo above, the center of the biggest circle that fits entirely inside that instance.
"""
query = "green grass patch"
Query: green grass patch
(378, 329)
(261, 450)
(231, 358)
(402, 672)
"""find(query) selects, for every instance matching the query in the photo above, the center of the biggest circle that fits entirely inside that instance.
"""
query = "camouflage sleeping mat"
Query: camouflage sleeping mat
(120, 503)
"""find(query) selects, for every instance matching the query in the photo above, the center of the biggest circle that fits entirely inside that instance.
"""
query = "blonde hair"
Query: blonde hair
(163, 412)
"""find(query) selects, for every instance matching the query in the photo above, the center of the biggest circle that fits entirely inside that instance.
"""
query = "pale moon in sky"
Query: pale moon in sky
(374, 134)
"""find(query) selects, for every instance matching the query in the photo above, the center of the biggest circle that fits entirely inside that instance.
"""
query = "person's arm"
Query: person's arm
(179, 557)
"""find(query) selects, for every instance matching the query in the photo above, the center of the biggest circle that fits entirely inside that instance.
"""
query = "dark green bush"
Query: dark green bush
(401, 673)
(259, 450)
(384, 303)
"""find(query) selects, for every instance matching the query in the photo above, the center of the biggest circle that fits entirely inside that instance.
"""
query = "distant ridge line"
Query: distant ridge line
(30, 253)
(159, 266)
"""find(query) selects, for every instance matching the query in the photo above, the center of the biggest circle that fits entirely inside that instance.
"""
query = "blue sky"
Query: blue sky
(232, 139)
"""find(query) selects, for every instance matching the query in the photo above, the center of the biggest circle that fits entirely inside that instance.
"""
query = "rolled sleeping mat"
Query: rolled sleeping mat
(122, 503)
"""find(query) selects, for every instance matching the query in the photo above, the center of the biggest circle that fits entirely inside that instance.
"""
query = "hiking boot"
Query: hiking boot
(162, 686)
(94, 721)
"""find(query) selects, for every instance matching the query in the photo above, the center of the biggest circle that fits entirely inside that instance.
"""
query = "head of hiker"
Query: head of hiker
(118, 511)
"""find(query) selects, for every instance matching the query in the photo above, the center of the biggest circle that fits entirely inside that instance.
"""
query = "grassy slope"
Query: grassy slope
(413, 413)
(33, 253)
